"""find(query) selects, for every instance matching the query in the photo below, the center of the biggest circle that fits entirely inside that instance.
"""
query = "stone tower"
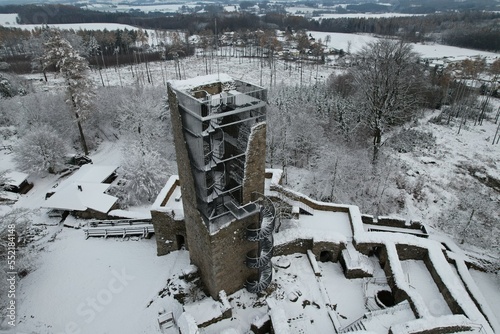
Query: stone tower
(220, 140)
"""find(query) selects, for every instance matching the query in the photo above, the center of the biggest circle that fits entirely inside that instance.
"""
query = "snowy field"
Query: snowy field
(8, 20)
(354, 42)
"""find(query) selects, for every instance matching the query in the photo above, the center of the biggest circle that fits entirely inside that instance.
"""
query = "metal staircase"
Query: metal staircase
(261, 257)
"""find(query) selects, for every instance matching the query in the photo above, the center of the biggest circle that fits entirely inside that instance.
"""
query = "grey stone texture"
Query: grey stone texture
(220, 256)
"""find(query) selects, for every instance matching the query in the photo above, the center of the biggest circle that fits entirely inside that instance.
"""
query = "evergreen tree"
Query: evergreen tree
(74, 69)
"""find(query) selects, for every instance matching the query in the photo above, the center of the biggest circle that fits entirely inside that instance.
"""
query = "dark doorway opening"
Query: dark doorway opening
(180, 242)
(385, 298)
(326, 256)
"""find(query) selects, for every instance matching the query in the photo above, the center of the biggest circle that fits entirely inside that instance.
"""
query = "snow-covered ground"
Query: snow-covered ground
(95, 285)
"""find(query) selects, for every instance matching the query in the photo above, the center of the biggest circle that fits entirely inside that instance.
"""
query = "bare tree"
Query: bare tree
(386, 76)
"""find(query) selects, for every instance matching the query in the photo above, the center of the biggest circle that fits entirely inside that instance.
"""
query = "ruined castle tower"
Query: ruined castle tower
(220, 140)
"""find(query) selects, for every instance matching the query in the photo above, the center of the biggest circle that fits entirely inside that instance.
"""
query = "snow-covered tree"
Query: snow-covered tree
(143, 119)
(44, 108)
(386, 77)
(4, 179)
(143, 174)
(74, 69)
(41, 150)
(10, 86)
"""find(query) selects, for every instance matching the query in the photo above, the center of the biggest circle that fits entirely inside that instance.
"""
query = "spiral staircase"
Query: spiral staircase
(260, 258)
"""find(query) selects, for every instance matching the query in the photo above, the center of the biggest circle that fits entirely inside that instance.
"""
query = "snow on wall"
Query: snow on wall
(289, 235)
(157, 205)
(474, 290)
(457, 291)
(15, 178)
(129, 214)
(224, 301)
(187, 324)
(399, 279)
(419, 325)
(279, 321)
(174, 202)
(189, 84)
(277, 174)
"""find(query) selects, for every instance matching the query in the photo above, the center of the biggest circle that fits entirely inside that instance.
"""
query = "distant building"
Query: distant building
(220, 139)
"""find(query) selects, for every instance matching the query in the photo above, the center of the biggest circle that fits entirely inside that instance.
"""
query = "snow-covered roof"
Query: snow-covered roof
(91, 173)
(171, 203)
(84, 190)
(192, 83)
(82, 196)
(15, 178)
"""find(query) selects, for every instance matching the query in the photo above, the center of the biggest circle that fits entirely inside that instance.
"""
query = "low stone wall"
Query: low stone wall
(394, 222)
(411, 252)
(295, 246)
(262, 325)
(324, 246)
(438, 330)
(398, 293)
(308, 201)
(166, 230)
(452, 303)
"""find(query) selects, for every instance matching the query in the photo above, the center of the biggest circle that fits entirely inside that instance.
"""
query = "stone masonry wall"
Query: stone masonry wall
(333, 248)
(220, 257)
(166, 231)
(254, 178)
(229, 248)
(197, 235)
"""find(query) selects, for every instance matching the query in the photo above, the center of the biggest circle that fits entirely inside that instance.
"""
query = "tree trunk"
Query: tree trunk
(377, 141)
(80, 129)
(82, 136)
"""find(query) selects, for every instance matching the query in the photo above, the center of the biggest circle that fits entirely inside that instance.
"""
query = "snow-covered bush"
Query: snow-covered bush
(41, 150)
(143, 174)
(10, 86)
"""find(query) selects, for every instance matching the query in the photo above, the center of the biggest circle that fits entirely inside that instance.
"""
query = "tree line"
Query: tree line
(467, 28)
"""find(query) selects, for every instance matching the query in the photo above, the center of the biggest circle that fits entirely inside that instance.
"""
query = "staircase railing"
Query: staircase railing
(261, 257)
